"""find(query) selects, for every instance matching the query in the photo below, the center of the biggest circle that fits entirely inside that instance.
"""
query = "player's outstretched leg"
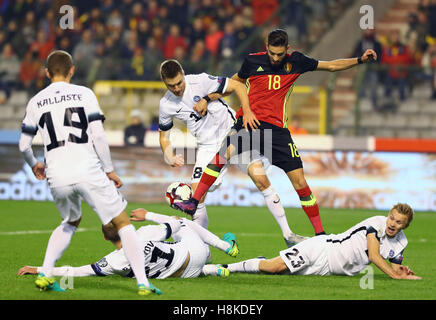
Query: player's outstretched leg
(233, 250)
(307, 199)
(247, 266)
(59, 241)
(208, 177)
(257, 173)
(228, 244)
(216, 270)
(44, 283)
(134, 253)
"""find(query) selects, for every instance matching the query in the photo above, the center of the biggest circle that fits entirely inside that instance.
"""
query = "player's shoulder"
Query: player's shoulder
(166, 100)
(81, 89)
(375, 221)
(256, 57)
(199, 78)
(295, 56)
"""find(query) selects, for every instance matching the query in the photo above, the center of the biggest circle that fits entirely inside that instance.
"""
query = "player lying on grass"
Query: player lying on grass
(185, 258)
(373, 240)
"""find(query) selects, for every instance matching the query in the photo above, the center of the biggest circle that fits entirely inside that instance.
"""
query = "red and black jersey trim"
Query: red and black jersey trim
(259, 64)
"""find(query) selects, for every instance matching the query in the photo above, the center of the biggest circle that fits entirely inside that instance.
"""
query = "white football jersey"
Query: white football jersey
(348, 251)
(62, 112)
(214, 126)
(162, 259)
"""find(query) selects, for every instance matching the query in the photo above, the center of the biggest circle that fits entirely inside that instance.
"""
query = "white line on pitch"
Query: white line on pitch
(18, 233)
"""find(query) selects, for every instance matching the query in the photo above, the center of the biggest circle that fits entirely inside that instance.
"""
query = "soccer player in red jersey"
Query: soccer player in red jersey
(270, 77)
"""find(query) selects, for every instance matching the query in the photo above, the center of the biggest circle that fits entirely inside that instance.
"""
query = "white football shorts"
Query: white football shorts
(308, 257)
(198, 251)
(99, 192)
(205, 154)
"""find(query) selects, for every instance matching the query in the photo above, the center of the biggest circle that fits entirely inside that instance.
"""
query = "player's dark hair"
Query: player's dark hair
(170, 69)
(278, 38)
(110, 232)
(59, 63)
(405, 209)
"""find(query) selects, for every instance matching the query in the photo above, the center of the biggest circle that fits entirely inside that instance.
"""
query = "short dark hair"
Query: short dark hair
(170, 69)
(278, 38)
(110, 232)
(59, 62)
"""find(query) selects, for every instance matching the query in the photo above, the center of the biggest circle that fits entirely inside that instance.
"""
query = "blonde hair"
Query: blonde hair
(405, 209)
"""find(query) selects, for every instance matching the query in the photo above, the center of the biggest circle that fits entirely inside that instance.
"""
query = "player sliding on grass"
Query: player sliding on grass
(373, 240)
(270, 77)
(185, 258)
(77, 166)
(187, 100)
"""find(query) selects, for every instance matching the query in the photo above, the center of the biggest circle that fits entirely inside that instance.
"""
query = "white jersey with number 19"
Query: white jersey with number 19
(62, 113)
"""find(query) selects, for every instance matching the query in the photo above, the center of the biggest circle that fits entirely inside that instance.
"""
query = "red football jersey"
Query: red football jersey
(269, 87)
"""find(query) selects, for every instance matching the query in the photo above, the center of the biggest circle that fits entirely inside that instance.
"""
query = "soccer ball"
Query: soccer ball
(178, 192)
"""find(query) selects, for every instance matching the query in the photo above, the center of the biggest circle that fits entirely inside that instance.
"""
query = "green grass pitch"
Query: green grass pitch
(257, 234)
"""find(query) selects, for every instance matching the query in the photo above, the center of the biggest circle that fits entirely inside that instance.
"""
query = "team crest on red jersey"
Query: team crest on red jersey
(288, 67)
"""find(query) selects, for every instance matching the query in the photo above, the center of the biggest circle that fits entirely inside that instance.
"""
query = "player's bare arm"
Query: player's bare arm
(174, 160)
(138, 215)
(241, 91)
(25, 147)
(113, 177)
(27, 270)
(343, 64)
(377, 259)
(39, 171)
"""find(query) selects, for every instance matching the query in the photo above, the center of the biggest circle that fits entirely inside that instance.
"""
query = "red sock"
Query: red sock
(310, 207)
(209, 176)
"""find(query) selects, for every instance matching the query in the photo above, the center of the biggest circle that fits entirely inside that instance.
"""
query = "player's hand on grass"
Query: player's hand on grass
(201, 107)
(113, 177)
(404, 272)
(27, 270)
(176, 161)
(410, 277)
(138, 214)
(250, 119)
(369, 55)
(39, 170)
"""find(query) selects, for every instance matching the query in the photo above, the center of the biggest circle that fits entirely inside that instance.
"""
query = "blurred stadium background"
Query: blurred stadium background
(367, 135)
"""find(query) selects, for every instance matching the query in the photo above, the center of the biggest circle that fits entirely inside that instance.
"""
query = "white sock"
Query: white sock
(134, 252)
(59, 241)
(207, 236)
(275, 207)
(210, 270)
(248, 266)
(200, 216)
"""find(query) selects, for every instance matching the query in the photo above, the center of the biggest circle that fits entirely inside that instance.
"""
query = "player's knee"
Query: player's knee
(299, 183)
(261, 183)
(260, 180)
